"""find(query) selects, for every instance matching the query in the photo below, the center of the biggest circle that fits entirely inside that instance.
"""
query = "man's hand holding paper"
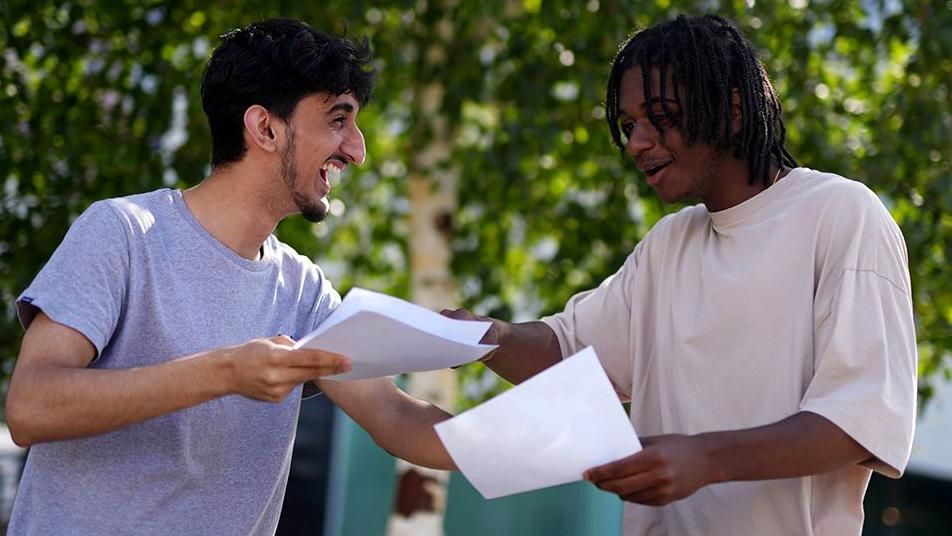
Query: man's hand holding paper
(670, 467)
(545, 431)
(385, 336)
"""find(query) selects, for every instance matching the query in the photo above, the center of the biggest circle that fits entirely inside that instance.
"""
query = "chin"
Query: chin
(314, 212)
(669, 198)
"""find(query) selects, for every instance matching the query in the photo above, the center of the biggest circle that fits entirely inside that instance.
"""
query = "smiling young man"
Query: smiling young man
(764, 337)
(156, 381)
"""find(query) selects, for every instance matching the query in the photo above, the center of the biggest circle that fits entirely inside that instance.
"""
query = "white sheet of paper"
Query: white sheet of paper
(384, 336)
(543, 432)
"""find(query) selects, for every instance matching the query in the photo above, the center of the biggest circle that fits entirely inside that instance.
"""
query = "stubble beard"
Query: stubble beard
(314, 212)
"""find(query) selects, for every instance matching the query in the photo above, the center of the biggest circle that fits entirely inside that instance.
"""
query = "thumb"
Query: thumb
(282, 340)
(458, 314)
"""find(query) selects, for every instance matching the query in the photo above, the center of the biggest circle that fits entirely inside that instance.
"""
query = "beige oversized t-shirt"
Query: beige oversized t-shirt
(796, 300)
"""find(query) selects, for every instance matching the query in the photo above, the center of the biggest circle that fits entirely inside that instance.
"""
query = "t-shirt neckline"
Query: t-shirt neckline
(736, 214)
(178, 199)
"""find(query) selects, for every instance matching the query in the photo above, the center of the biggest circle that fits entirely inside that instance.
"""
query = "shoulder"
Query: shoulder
(678, 224)
(855, 230)
(304, 278)
(291, 263)
(847, 205)
(835, 193)
(131, 215)
(139, 212)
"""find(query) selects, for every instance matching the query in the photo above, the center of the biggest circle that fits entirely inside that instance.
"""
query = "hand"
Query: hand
(670, 467)
(268, 369)
(493, 335)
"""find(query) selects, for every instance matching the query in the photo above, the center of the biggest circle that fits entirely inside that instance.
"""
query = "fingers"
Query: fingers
(458, 314)
(633, 484)
(639, 462)
(305, 357)
(649, 497)
(273, 383)
(641, 478)
(311, 358)
(293, 376)
(652, 488)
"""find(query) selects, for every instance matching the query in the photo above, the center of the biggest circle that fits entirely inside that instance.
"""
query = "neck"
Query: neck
(736, 187)
(233, 205)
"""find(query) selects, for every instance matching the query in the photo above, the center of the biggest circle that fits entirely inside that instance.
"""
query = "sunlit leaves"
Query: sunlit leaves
(547, 206)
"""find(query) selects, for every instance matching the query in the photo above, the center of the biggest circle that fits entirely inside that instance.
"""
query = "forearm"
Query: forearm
(398, 423)
(524, 350)
(800, 445)
(53, 403)
(55, 395)
(410, 434)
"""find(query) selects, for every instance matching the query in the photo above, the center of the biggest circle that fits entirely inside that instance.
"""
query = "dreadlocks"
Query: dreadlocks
(709, 58)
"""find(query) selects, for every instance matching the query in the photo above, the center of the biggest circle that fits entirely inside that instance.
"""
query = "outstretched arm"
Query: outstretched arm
(525, 349)
(54, 396)
(400, 424)
(672, 467)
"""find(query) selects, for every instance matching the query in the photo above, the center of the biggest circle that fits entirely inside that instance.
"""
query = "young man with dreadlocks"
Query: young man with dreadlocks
(764, 337)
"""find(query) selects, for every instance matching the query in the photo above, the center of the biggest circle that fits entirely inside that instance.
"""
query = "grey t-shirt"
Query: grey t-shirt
(146, 283)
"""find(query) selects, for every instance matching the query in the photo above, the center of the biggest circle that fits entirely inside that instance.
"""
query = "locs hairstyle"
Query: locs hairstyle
(276, 63)
(708, 58)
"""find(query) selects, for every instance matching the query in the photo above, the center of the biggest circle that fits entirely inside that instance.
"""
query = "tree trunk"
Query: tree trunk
(421, 492)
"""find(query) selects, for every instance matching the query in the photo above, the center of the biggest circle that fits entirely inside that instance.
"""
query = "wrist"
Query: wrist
(499, 333)
(221, 366)
(716, 466)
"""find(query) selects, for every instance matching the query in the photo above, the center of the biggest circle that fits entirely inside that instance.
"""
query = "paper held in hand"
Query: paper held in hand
(543, 432)
(384, 336)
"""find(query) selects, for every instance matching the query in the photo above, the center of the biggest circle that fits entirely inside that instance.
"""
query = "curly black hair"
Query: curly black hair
(708, 58)
(276, 63)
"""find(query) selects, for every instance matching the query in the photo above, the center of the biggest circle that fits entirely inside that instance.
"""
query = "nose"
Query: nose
(641, 138)
(353, 146)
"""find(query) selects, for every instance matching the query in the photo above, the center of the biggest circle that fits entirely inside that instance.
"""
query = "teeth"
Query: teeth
(332, 173)
(654, 169)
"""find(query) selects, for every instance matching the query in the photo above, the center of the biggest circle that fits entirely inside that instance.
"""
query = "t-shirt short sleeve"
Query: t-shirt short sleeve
(601, 318)
(865, 378)
(83, 284)
(865, 356)
(326, 302)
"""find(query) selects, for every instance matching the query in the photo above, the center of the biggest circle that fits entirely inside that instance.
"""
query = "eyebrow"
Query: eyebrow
(647, 105)
(656, 100)
(341, 107)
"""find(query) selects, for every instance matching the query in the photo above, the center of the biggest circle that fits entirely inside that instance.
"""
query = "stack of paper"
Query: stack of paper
(545, 431)
(384, 336)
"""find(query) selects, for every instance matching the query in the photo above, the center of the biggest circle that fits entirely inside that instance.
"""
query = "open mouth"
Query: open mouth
(330, 172)
(649, 171)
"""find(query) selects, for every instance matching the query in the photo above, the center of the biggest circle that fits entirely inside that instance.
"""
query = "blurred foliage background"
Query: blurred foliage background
(101, 99)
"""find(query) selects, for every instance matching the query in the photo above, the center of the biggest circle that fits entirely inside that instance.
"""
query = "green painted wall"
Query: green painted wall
(577, 509)
(361, 485)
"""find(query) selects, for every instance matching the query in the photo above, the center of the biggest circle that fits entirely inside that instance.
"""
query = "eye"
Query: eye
(662, 120)
(338, 121)
(627, 127)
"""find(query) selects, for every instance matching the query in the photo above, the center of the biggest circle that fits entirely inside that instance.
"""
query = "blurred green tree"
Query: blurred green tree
(101, 99)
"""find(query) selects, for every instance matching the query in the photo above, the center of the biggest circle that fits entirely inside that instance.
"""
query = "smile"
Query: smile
(656, 168)
(330, 172)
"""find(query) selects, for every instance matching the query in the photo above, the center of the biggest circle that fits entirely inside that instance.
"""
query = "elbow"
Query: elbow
(443, 464)
(422, 453)
(21, 440)
(20, 422)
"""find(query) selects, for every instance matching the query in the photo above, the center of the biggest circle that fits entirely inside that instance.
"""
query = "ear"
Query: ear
(260, 129)
(736, 112)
